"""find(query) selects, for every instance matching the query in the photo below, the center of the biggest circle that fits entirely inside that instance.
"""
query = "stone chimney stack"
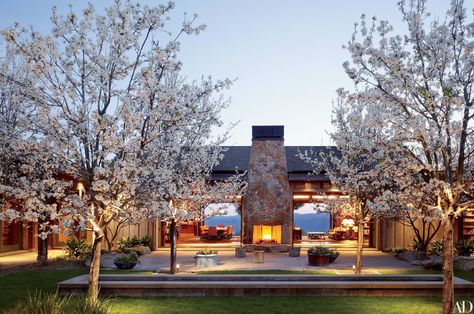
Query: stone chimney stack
(268, 200)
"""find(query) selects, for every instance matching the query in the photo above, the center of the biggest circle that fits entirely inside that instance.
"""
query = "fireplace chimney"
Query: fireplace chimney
(268, 200)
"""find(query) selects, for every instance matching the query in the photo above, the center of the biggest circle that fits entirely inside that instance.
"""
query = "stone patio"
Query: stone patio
(374, 262)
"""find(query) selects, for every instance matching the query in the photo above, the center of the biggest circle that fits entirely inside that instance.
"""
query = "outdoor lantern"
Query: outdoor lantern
(347, 222)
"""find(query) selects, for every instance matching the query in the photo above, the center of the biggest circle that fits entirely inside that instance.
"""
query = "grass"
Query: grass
(340, 305)
(15, 287)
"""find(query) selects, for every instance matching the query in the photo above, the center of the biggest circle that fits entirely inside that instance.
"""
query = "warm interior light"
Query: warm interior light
(319, 197)
(267, 237)
(348, 222)
(301, 197)
(80, 188)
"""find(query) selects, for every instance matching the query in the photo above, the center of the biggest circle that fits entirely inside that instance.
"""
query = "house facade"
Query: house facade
(278, 182)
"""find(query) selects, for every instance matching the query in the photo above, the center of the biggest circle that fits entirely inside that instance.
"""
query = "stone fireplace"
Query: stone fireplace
(267, 205)
(263, 234)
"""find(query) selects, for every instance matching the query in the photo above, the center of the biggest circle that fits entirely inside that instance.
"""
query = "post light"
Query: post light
(177, 268)
(354, 268)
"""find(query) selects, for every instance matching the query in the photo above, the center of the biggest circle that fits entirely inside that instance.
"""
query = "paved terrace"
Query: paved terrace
(374, 261)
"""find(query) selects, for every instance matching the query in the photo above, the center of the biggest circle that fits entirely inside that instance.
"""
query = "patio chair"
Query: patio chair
(228, 234)
(204, 231)
(212, 234)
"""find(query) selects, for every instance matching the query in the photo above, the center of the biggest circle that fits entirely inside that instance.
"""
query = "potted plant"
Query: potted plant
(206, 258)
(126, 260)
(333, 255)
(318, 256)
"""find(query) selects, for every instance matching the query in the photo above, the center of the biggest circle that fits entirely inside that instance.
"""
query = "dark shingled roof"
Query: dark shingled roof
(237, 158)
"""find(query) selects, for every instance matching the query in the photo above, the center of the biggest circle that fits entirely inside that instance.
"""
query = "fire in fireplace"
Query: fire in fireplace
(263, 234)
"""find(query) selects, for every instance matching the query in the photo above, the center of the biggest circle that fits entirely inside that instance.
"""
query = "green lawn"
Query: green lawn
(338, 305)
(15, 286)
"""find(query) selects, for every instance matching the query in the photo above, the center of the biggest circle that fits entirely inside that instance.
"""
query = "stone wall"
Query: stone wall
(268, 200)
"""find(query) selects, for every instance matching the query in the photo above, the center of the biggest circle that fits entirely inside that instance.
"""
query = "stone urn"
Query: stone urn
(294, 251)
(258, 256)
(240, 252)
(318, 259)
(205, 260)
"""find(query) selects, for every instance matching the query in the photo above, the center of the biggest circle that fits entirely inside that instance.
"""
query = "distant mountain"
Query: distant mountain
(226, 221)
(312, 222)
(307, 222)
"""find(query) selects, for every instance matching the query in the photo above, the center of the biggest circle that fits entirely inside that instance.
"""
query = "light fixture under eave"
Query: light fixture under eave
(301, 197)
(321, 197)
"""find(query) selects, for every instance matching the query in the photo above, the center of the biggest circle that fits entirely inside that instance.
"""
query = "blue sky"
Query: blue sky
(286, 55)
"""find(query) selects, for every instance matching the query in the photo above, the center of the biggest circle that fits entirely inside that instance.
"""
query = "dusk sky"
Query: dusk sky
(286, 55)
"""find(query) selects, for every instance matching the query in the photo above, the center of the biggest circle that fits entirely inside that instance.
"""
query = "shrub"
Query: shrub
(52, 303)
(436, 248)
(395, 251)
(333, 255)
(206, 252)
(464, 247)
(126, 258)
(319, 250)
(134, 241)
(146, 241)
(77, 249)
(418, 246)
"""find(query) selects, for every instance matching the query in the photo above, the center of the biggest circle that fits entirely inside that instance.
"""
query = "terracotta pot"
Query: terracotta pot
(318, 259)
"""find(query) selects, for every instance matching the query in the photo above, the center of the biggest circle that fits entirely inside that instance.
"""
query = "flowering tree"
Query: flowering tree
(359, 167)
(412, 201)
(191, 193)
(110, 101)
(24, 178)
(424, 79)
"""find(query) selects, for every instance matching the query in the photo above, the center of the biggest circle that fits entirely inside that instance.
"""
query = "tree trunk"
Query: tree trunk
(360, 246)
(42, 257)
(94, 269)
(173, 247)
(448, 285)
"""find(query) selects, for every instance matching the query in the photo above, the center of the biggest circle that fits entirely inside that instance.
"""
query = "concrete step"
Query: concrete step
(243, 285)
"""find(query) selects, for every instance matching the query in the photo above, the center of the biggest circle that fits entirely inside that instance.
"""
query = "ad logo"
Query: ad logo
(463, 307)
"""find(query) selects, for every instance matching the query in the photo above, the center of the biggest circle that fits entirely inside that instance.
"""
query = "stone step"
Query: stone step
(269, 277)
(240, 285)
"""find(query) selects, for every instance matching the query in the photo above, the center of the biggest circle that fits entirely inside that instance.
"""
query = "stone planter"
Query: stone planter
(240, 252)
(294, 251)
(465, 263)
(208, 260)
(125, 265)
(258, 256)
(318, 259)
